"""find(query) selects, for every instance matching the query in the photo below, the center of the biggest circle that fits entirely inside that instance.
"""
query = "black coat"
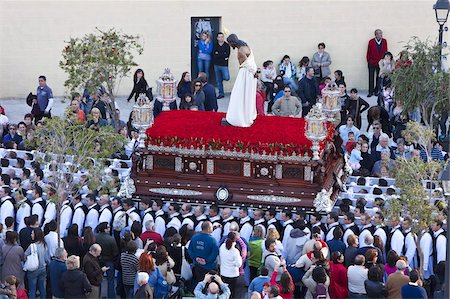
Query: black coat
(138, 88)
(375, 289)
(75, 284)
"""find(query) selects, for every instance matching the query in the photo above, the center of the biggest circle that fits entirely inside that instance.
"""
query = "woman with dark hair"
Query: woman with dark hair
(357, 106)
(136, 230)
(198, 95)
(375, 288)
(391, 259)
(88, 239)
(348, 127)
(12, 258)
(345, 101)
(186, 102)
(315, 278)
(164, 264)
(175, 251)
(339, 77)
(184, 86)
(37, 278)
(338, 276)
(302, 65)
(367, 162)
(73, 243)
(230, 261)
(286, 284)
(288, 72)
(278, 92)
(140, 85)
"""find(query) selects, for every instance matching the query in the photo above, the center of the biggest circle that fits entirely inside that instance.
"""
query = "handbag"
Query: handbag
(186, 271)
(32, 262)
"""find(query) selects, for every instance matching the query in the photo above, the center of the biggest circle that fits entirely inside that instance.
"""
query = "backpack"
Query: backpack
(265, 258)
(320, 292)
(161, 287)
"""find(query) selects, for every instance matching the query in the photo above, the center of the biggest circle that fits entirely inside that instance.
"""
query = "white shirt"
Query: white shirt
(217, 228)
(441, 246)
(119, 215)
(260, 223)
(7, 209)
(331, 228)
(322, 233)
(246, 229)
(65, 218)
(200, 220)
(380, 232)
(160, 223)
(38, 209)
(92, 217)
(147, 217)
(174, 221)
(426, 244)
(50, 213)
(79, 217)
(105, 214)
(287, 231)
(226, 225)
(397, 241)
(187, 220)
(132, 216)
(410, 249)
(356, 277)
(347, 232)
(51, 239)
(363, 234)
(230, 261)
(23, 211)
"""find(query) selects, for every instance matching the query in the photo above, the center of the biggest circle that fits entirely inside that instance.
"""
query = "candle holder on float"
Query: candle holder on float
(142, 117)
(331, 101)
(166, 86)
(315, 128)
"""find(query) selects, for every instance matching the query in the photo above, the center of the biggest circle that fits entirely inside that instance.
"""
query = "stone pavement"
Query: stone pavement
(16, 108)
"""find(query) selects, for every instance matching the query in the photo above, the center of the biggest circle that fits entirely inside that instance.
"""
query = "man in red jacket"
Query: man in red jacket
(375, 50)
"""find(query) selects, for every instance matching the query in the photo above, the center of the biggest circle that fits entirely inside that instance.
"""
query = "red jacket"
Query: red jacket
(373, 56)
(338, 281)
(152, 236)
(260, 102)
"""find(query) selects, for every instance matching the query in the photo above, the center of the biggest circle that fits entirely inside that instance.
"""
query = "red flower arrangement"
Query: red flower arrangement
(199, 129)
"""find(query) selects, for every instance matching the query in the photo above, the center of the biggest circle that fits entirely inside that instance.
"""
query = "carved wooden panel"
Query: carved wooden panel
(264, 171)
(192, 165)
(293, 172)
(227, 167)
(164, 163)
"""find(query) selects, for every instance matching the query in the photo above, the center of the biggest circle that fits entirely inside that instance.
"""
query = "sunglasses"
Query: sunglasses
(198, 85)
(287, 91)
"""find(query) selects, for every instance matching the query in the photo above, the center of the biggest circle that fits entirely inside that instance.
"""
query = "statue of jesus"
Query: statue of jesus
(242, 107)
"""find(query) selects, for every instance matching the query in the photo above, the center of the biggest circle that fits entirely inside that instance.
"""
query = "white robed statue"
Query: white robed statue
(242, 107)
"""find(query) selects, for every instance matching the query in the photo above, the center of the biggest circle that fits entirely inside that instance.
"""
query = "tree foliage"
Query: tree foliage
(422, 136)
(423, 84)
(70, 148)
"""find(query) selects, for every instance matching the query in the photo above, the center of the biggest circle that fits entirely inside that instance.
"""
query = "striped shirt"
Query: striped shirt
(129, 264)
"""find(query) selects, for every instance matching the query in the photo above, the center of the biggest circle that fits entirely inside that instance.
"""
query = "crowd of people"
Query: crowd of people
(157, 249)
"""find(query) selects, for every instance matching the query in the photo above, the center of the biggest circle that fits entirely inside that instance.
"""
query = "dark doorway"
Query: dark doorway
(199, 25)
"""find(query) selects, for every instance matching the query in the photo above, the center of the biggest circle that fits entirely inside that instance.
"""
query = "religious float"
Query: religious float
(278, 162)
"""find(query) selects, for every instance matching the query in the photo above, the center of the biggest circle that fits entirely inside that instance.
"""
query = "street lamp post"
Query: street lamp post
(441, 8)
(445, 180)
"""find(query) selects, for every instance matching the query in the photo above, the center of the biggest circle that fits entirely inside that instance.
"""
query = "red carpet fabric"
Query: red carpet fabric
(272, 134)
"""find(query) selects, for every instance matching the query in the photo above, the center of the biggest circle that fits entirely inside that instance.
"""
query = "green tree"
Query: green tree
(100, 60)
(414, 201)
(71, 148)
(423, 84)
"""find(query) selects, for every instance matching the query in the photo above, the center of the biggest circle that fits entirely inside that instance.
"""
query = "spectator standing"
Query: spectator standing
(44, 99)
(357, 275)
(260, 96)
(357, 106)
(338, 276)
(74, 282)
(139, 85)
(12, 258)
(257, 283)
(221, 54)
(321, 62)
(56, 268)
(412, 290)
(36, 278)
(108, 255)
(205, 49)
(375, 50)
(374, 286)
(203, 250)
(308, 91)
(129, 264)
(268, 75)
(94, 272)
(396, 281)
(316, 279)
(230, 261)
(184, 86)
(216, 288)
